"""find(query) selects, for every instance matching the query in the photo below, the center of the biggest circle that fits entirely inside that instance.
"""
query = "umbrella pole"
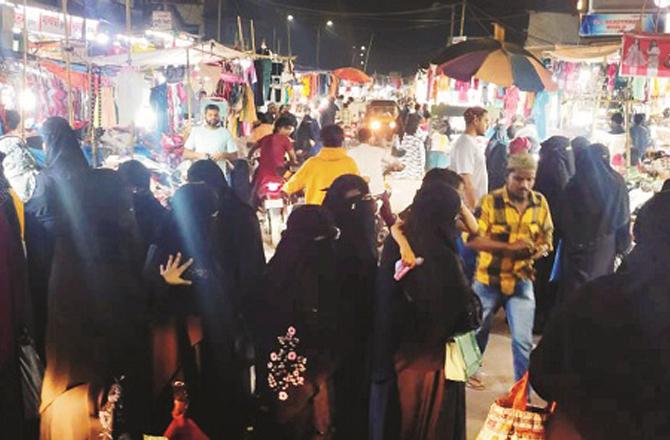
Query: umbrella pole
(367, 55)
(188, 85)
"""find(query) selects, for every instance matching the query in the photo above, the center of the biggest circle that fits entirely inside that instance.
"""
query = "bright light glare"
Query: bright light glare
(27, 100)
(273, 186)
(290, 17)
(662, 3)
(392, 124)
(102, 39)
(375, 125)
(145, 118)
(329, 23)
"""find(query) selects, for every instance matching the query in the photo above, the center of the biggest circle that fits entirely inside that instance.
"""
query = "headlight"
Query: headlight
(392, 124)
(375, 125)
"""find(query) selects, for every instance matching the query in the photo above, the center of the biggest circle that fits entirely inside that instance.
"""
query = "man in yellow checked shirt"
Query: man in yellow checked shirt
(515, 229)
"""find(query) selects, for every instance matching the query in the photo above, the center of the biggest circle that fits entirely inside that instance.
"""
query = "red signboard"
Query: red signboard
(646, 55)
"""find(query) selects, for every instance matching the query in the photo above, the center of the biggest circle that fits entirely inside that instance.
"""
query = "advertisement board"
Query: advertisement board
(646, 55)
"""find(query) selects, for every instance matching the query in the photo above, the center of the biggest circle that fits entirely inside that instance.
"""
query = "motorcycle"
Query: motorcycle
(275, 208)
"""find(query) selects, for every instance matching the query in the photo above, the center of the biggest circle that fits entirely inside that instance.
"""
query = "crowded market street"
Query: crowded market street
(369, 220)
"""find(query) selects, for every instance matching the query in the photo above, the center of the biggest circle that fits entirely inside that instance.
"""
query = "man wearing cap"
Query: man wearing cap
(515, 229)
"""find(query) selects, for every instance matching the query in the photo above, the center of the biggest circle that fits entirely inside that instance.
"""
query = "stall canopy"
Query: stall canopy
(352, 74)
(583, 54)
(208, 52)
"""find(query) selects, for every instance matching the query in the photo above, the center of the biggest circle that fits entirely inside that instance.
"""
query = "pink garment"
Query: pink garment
(511, 102)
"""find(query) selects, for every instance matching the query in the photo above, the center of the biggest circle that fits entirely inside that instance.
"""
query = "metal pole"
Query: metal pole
(66, 49)
(218, 29)
(24, 82)
(367, 54)
(274, 39)
(318, 45)
(452, 24)
(465, 4)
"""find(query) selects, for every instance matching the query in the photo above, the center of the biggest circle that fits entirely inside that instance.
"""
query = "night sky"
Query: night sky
(401, 41)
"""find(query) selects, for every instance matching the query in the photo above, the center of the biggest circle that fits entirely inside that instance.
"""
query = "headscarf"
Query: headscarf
(310, 231)
(597, 196)
(192, 226)
(135, 174)
(354, 215)
(438, 288)
(63, 153)
(496, 157)
(519, 145)
(553, 170)
(207, 171)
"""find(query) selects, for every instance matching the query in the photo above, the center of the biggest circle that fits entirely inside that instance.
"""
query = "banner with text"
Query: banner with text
(646, 55)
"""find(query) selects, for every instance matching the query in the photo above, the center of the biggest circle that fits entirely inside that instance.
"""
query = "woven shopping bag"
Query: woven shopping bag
(511, 418)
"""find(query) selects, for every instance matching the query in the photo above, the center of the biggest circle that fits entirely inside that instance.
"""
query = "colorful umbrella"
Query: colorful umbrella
(497, 62)
(352, 74)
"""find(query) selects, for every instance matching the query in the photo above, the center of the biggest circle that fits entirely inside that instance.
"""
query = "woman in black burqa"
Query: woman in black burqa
(65, 166)
(594, 220)
(554, 171)
(605, 357)
(241, 233)
(97, 312)
(301, 292)
(13, 313)
(414, 319)
(194, 322)
(349, 201)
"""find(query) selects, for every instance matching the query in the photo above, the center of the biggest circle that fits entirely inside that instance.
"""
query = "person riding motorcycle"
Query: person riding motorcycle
(274, 148)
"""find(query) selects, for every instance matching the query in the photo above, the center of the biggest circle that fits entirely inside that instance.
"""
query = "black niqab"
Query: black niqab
(553, 170)
(354, 215)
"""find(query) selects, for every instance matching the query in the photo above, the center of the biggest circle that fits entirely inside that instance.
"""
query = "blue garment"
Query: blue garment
(520, 313)
(641, 138)
(469, 258)
(539, 113)
(437, 159)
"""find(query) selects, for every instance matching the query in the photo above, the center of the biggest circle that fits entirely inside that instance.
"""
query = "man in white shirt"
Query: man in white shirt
(468, 158)
(372, 162)
(211, 140)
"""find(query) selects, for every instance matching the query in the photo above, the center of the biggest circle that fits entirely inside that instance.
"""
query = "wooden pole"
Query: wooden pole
(253, 36)
(452, 24)
(218, 29)
(465, 5)
(24, 82)
(66, 55)
(318, 44)
(241, 32)
(129, 23)
(188, 85)
(288, 37)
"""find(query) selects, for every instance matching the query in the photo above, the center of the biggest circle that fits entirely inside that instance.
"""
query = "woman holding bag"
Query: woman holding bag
(414, 319)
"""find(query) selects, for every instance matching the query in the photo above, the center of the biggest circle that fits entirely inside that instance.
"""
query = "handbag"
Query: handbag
(463, 358)
(473, 315)
(512, 418)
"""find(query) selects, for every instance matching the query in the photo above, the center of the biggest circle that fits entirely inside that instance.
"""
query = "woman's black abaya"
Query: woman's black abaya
(348, 199)
(414, 319)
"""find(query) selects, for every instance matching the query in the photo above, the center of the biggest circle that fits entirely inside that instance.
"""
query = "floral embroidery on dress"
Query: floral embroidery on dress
(286, 366)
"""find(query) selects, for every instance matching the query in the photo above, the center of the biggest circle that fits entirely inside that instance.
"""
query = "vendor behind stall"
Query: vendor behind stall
(211, 140)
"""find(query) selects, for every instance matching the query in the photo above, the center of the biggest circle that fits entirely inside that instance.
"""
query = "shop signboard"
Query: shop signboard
(161, 20)
(646, 55)
(608, 25)
(51, 23)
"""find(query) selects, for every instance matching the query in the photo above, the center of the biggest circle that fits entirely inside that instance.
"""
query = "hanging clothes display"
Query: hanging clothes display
(209, 78)
(511, 101)
(539, 113)
(159, 104)
(264, 80)
(105, 111)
